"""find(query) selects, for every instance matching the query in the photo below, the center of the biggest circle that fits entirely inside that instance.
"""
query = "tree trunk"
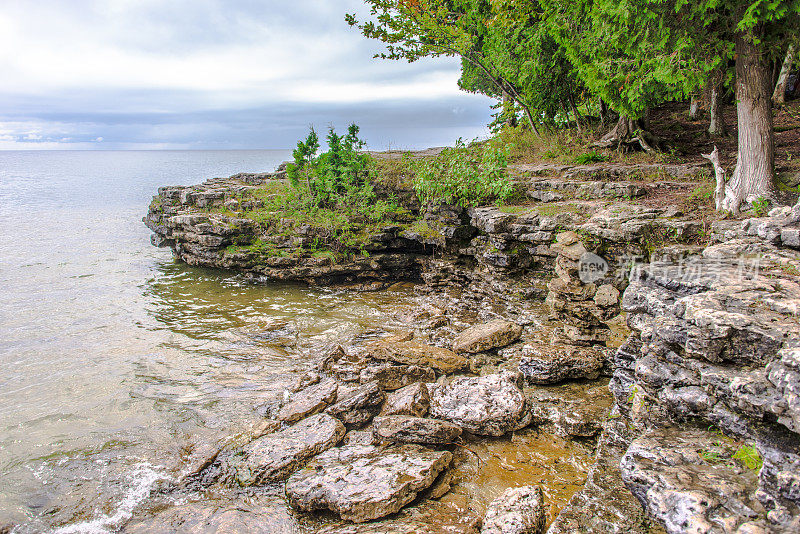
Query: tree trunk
(779, 95)
(508, 110)
(575, 113)
(603, 112)
(694, 109)
(754, 176)
(717, 124)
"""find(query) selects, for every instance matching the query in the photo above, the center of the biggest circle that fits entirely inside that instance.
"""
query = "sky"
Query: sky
(214, 74)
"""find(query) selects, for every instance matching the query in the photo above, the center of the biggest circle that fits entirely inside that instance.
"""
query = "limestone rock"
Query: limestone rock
(574, 409)
(411, 400)
(407, 429)
(391, 376)
(309, 401)
(274, 456)
(689, 482)
(413, 353)
(607, 295)
(363, 483)
(554, 363)
(492, 335)
(516, 511)
(488, 405)
(357, 408)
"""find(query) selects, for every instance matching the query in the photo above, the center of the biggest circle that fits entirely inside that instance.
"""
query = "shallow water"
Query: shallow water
(115, 360)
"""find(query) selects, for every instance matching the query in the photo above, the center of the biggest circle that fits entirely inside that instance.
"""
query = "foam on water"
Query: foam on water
(142, 480)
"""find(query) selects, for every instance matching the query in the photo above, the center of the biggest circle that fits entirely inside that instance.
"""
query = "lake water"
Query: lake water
(115, 360)
(111, 354)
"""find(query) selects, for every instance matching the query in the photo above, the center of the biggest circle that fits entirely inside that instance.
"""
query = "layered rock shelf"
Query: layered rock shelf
(668, 350)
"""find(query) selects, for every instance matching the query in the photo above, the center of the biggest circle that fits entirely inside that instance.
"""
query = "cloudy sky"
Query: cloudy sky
(213, 74)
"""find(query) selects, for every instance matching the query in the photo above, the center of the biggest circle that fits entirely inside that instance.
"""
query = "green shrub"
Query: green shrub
(590, 157)
(464, 175)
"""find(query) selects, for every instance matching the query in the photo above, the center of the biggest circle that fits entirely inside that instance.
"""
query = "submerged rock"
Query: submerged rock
(413, 353)
(516, 511)
(362, 483)
(407, 429)
(412, 400)
(488, 405)
(309, 401)
(573, 409)
(273, 457)
(492, 335)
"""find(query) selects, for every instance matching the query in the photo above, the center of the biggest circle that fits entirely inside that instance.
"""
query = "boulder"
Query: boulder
(274, 456)
(574, 409)
(391, 376)
(362, 483)
(413, 353)
(407, 429)
(556, 362)
(309, 401)
(488, 405)
(516, 511)
(411, 400)
(492, 335)
(357, 408)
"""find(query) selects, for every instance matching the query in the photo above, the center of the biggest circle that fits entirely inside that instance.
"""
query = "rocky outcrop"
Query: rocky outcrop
(363, 483)
(489, 405)
(714, 344)
(516, 511)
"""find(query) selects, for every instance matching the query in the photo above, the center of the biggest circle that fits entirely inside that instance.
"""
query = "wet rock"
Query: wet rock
(392, 376)
(554, 363)
(516, 511)
(309, 401)
(407, 429)
(305, 380)
(274, 456)
(411, 400)
(359, 437)
(413, 353)
(357, 408)
(480, 338)
(332, 355)
(364, 483)
(573, 409)
(688, 481)
(489, 405)
(228, 518)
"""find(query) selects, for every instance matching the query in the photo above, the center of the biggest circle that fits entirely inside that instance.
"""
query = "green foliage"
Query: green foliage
(761, 206)
(749, 457)
(465, 175)
(340, 174)
(590, 157)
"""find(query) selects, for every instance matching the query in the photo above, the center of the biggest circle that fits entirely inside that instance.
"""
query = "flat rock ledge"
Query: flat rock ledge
(275, 456)
(490, 405)
(516, 511)
(361, 483)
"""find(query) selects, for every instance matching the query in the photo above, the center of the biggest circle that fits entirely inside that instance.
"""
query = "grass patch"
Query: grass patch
(590, 157)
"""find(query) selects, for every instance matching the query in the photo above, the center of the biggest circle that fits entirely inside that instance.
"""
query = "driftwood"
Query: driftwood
(719, 173)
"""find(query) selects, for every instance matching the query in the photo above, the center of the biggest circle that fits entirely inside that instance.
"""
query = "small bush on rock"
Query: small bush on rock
(465, 175)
